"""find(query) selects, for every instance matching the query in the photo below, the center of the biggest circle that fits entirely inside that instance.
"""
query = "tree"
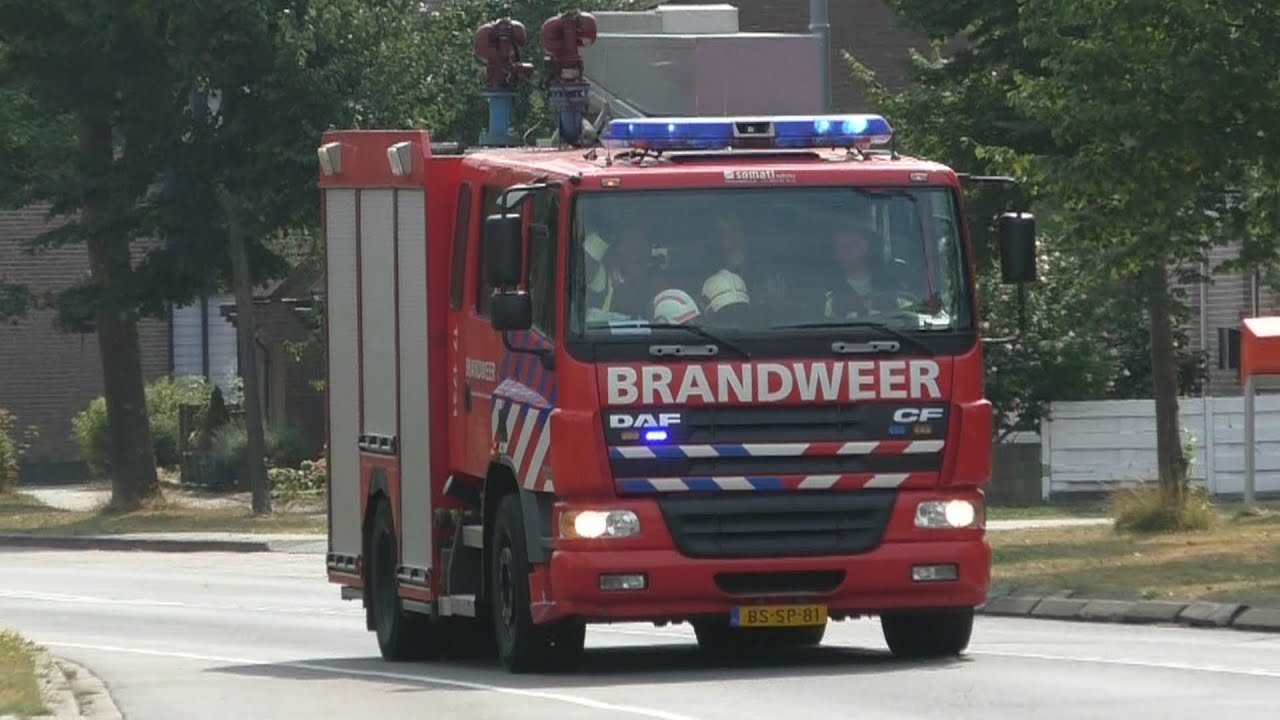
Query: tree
(1152, 103)
(1086, 336)
(99, 65)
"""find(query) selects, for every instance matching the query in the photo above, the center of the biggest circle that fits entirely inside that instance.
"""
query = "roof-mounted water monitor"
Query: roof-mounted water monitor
(779, 132)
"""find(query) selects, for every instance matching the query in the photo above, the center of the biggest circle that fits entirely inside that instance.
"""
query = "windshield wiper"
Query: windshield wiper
(698, 330)
(872, 324)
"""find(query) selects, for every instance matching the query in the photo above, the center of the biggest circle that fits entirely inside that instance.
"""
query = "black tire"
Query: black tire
(523, 646)
(402, 635)
(718, 637)
(928, 633)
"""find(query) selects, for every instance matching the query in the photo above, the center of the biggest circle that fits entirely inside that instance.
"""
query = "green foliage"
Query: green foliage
(165, 398)
(12, 448)
(284, 447)
(979, 104)
(305, 481)
(1147, 509)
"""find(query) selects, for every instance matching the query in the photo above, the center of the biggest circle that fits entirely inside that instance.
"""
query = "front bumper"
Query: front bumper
(679, 587)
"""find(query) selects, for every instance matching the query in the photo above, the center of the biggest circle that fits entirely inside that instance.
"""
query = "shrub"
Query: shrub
(8, 452)
(1147, 510)
(284, 447)
(165, 398)
(308, 480)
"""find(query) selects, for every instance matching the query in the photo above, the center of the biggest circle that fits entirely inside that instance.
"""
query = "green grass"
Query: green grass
(21, 513)
(19, 693)
(1237, 558)
(1041, 511)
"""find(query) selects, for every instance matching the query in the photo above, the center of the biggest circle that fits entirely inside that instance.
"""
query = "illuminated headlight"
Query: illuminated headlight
(592, 524)
(948, 514)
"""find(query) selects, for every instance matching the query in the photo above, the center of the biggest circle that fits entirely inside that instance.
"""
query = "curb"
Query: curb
(105, 542)
(1064, 606)
(71, 692)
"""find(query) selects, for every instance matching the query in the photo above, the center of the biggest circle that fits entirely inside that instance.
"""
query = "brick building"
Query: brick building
(46, 376)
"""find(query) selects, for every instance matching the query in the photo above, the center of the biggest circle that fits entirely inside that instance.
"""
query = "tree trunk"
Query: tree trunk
(246, 333)
(1171, 462)
(133, 464)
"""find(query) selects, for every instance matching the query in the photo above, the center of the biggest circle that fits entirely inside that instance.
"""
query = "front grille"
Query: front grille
(778, 525)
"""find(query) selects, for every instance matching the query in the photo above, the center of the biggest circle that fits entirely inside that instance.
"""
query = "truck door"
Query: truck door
(477, 347)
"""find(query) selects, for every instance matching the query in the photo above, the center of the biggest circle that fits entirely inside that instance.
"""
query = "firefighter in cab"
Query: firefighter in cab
(860, 287)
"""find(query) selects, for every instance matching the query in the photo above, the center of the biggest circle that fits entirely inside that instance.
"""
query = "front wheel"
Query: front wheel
(522, 645)
(927, 633)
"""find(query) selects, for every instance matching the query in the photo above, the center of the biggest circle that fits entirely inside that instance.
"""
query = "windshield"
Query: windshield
(754, 261)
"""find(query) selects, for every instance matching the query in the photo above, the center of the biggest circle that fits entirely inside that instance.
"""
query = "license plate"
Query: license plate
(778, 616)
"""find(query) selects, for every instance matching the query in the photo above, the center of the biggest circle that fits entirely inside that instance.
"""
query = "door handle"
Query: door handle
(466, 396)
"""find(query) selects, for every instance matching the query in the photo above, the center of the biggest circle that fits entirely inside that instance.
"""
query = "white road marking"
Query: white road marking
(403, 677)
(142, 602)
(1154, 664)
(674, 634)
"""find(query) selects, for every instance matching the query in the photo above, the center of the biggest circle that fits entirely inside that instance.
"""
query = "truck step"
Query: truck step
(458, 605)
(473, 536)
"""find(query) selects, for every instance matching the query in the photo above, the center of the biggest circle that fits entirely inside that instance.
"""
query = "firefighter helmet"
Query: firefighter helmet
(674, 307)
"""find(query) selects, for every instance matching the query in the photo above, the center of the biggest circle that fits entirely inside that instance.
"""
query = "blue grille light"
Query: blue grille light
(716, 133)
(655, 435)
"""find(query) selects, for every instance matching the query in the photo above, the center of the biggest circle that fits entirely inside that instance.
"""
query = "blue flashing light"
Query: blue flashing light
(718, 133)
(655, 435)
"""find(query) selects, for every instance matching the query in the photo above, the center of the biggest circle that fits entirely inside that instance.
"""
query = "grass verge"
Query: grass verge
(21, 513)
(19, 693)
(1236, 558)
(1046, 511)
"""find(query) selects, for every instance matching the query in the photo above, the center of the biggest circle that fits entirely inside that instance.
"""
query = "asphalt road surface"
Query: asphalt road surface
(263, 636)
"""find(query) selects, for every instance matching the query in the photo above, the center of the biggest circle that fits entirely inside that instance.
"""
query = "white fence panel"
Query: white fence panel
(1101, 445)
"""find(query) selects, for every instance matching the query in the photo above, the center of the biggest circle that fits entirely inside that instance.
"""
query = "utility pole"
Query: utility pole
(820, 27)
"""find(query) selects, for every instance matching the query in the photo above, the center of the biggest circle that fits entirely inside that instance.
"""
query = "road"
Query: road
(263, 636)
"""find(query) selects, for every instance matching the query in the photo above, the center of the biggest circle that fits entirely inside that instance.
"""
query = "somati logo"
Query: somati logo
(758, 175)
(774, 382)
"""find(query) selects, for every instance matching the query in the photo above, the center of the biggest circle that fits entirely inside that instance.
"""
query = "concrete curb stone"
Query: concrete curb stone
(1010, 605)
(106, 542)
(1059, 608)
(1264, 619)
(1210, 614)
(1189, 614)
(1154, 611)
(90, 692)
(1105, 610)
(55, 691)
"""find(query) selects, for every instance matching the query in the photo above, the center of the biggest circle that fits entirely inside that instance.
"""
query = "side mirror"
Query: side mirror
(503, 260)
(1017, 248)
(511, 311)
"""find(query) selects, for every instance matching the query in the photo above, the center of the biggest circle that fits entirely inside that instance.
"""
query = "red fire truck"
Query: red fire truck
(718, 370)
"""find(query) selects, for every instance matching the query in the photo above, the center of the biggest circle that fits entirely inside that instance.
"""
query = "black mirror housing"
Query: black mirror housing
(511, 311)
(1017, 248)
(503, 260)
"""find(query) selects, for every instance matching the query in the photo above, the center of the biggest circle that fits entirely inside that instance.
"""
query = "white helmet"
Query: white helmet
(723, 289)
(674, 307)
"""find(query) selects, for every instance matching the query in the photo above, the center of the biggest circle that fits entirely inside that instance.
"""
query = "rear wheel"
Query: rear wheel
(402, 635)
(522, 645)
(927, 633)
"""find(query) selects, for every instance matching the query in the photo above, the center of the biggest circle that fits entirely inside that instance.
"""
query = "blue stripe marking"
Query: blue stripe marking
(701, 484)
(636, 486)
(732, 451)
(766, 483)
(668, 452)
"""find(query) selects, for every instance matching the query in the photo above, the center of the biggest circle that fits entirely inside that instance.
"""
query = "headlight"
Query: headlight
(948, 515)
(592, 524)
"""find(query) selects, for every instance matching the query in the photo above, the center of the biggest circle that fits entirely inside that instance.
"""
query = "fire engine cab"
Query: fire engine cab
(716, 370)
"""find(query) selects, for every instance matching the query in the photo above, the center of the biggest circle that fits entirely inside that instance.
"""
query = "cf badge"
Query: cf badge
(914, 415)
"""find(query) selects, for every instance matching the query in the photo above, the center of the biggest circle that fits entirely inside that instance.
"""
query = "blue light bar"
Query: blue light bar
(718, 133)
(655, 435)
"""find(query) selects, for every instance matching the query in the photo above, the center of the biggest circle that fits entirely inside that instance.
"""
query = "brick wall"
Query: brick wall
(47, 376)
